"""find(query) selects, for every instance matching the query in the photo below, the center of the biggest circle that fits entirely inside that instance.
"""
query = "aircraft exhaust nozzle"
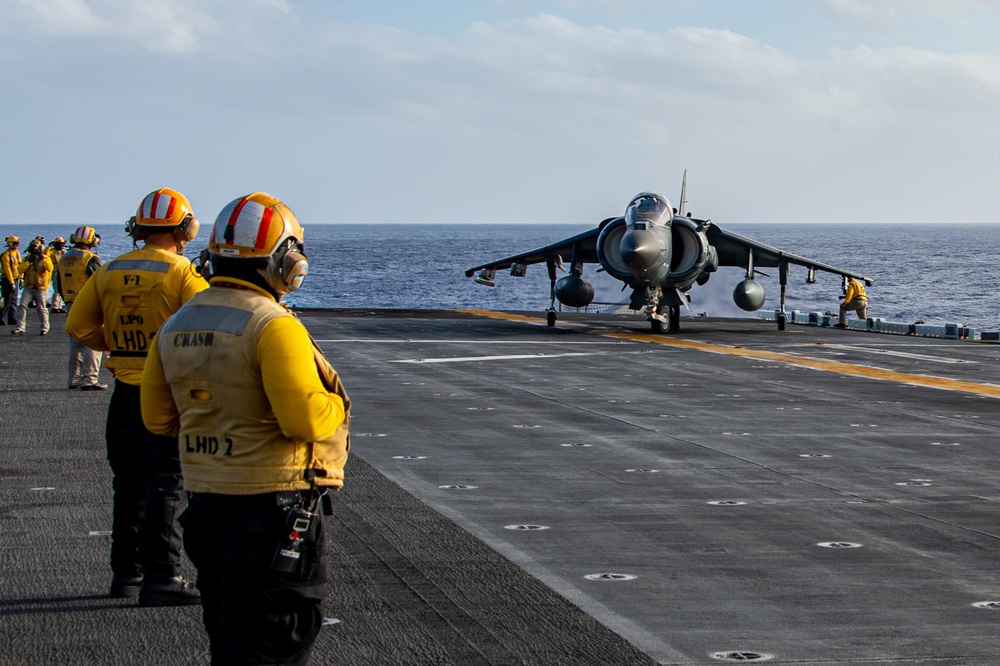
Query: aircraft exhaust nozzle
(640, 249)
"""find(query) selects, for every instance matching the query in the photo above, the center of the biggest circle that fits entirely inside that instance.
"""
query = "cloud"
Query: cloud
(541, 59)
(51, 17)
(611, 6)
(865, 12)
(516, 112)
(163, 26)
(891, 14)
(641, 80)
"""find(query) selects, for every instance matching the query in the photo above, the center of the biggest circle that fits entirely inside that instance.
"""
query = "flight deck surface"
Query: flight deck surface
(589, 493)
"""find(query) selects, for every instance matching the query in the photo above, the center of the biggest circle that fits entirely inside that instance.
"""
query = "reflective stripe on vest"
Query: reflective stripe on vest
(139, 265)
(208, 318)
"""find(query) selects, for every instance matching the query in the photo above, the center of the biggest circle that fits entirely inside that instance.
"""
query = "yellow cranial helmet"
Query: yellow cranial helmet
(12, 241)
(58, 240)
(261, 227)
(164, 209)
(85, 235)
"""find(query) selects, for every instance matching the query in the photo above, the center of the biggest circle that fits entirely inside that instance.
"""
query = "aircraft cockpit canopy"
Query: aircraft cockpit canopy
(646, 210)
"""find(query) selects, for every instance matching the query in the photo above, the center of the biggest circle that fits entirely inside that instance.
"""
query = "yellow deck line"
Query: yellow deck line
(838, 367)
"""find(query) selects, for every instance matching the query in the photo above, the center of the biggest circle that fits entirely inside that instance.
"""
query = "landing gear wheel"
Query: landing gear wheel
(550, 317)
(782, 319)
(658, 326)
(675, 318)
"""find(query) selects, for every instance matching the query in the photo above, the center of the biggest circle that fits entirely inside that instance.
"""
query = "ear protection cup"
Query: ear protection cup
(294, 268)
(187, 230)
(287, 267)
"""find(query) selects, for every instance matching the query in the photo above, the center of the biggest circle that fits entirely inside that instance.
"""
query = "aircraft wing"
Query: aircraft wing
(734, 250)
(585, 246)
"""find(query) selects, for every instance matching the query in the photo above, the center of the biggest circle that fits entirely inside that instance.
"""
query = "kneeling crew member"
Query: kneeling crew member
(263, 424)
(120, 309)
(854, 299)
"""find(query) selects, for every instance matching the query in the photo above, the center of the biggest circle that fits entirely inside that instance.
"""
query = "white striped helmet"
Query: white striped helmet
(163, 208)
(85, 235)
(260, 226)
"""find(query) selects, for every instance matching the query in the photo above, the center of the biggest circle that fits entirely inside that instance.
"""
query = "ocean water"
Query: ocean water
(923, 272)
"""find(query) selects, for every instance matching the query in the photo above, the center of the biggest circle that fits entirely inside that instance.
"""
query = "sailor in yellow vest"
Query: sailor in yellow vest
(854, 299)
(263, 421)
(36, 273)
(10, 280)
(55, 252)
(120, 309)
(73, 270)
(41, 241)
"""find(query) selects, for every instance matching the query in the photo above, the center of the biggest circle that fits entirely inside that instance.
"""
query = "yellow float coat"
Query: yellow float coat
(252, 400)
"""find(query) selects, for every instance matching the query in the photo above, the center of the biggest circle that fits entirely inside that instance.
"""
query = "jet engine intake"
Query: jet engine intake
(574, 291)
(692, 254)
(609, 253)
(749, 295)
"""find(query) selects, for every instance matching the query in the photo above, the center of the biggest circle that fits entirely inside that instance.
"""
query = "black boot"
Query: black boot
(168, 592)
(124, 587)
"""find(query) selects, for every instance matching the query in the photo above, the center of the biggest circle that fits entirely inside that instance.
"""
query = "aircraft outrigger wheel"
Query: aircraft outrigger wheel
(550, 316)
(782, 320)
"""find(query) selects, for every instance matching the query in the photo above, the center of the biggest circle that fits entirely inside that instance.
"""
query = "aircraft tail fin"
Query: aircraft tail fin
(682, 205)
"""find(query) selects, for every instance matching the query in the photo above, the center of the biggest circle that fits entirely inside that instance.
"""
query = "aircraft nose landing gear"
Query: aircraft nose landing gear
(670, 323)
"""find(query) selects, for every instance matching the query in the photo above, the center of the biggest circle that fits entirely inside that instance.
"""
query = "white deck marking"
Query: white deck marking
(919, 357)
(825, 365)
(513, 343)
(505, 357)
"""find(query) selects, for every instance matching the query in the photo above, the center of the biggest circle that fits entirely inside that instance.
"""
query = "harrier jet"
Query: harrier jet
(660, 252)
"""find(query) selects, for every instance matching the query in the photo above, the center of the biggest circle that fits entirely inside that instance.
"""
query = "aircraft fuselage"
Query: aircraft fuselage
(657, 253)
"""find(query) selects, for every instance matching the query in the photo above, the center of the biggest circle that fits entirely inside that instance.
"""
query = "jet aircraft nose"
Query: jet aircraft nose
(640, 249)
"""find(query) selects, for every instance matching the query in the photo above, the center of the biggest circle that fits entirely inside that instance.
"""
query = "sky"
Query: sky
(503, 111)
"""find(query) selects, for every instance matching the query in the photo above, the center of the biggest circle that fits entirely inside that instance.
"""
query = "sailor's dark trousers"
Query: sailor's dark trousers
(252, 613)
(8, 290)
(148, 491)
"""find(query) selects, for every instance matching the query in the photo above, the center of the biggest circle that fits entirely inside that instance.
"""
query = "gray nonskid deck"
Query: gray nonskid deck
(520, 494)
